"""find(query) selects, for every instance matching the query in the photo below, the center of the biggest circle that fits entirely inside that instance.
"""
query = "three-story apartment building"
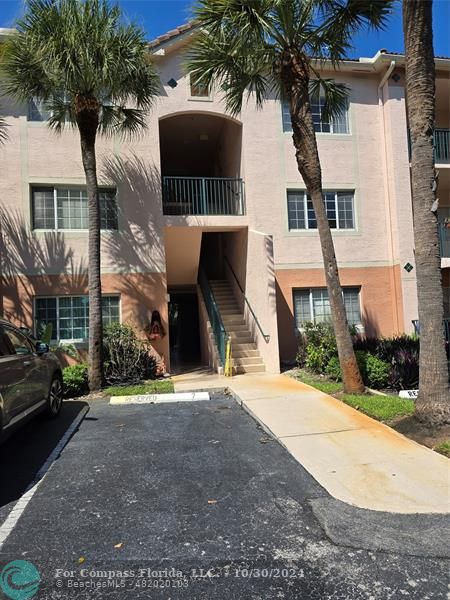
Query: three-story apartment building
(206, 219)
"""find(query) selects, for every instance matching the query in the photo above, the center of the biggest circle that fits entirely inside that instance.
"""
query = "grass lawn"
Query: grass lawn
(383, 408)
(158, 386)
(444, 448)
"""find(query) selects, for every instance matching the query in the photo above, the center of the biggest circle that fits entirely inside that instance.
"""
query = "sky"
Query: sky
(159, 16)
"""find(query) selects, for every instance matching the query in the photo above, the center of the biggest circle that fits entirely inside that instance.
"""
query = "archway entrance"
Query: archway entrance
(201, 165)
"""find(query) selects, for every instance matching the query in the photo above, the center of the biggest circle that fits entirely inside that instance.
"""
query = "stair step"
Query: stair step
(237, 329)
(241, 346)
(226, 301)
(250, 369)
(232, 317)
(247, 339)
(238, 353)
(246, 361)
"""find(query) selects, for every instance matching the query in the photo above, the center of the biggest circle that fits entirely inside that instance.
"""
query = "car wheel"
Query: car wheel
(55, 397)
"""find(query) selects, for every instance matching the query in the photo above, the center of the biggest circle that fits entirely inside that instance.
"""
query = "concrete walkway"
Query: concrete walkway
(355, 458)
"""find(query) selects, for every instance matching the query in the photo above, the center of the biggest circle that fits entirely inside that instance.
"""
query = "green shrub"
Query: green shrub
(300, 359)
(377, 371)
(333, 369)
(127, 359)
(320, 346)
(75, 380)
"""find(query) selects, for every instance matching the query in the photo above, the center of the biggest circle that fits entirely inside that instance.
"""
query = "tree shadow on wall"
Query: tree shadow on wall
(138, 246)
(25, 255)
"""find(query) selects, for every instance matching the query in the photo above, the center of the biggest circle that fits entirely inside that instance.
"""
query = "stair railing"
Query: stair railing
(220, 334)
(252, 312)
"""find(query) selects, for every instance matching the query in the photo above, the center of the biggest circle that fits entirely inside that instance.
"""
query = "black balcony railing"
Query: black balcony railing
(203, 196)
(441, 144)
(444, 239)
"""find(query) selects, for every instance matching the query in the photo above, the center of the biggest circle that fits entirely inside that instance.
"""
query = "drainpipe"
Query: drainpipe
(387, 191)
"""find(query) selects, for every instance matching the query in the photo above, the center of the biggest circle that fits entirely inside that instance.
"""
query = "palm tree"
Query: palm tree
(433, 402)
(259, 47)
(92, 71)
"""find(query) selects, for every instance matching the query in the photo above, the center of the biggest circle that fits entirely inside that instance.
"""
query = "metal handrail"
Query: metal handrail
(265, 335)
(215, 319)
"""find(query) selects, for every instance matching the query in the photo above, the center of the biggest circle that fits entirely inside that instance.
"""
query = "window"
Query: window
(67, 208)
(313, 305)
(339, 207)
(335, 125)
(19, 342)
(69, 315)
(198, 89)
(37, 111)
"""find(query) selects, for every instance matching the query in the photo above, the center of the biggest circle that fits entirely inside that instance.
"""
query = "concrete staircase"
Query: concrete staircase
(246, 356)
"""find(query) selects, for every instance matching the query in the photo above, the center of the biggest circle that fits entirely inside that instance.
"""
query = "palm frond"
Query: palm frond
(3, 130)
(80, 48)
(335, 96)
(241, 42)
(123, 121)
(339, 20)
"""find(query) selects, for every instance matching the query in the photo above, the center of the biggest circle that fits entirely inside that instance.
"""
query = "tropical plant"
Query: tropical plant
(75, 380)
(128, 359)
(92, 72)
(433, 401)
(320, 346)
(263, 47)
(3, 131)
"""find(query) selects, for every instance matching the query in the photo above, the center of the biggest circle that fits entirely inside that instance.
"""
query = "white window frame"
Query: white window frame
(287, 125)
(57, 298)
(359, 326)
(41, 109)
(208, 98)
(36, 187)
(305, 209)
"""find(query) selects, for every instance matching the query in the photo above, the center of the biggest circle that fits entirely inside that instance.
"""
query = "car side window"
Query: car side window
(5, 346)
(19, 342)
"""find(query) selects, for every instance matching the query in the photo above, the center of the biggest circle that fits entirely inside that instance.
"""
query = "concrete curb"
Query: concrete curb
(408, 534)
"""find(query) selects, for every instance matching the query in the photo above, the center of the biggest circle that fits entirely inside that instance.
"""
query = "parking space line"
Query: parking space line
(21, 504)
(160, 398)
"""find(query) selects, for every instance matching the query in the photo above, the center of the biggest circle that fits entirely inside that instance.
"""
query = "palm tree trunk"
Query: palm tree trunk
(433, 402)
(295, 76)
(87, 138)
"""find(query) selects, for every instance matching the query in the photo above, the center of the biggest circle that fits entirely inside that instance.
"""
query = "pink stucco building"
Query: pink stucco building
(206, 219)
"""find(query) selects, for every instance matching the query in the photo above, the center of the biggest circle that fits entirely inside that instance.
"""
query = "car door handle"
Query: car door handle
(26, 363)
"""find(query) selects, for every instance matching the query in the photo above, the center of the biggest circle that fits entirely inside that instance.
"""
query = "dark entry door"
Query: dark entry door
(184, 328)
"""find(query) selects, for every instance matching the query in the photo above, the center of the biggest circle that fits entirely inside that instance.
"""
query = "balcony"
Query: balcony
(205, 196)
(442, 145)
(444, 239)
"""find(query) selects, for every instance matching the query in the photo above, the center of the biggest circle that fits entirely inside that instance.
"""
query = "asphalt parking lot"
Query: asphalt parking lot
(188, 500)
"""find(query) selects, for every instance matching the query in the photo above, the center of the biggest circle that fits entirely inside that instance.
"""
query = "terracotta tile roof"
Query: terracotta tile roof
(173, 33)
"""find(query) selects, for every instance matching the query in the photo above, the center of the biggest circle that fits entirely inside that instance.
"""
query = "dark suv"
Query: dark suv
(30, 378)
